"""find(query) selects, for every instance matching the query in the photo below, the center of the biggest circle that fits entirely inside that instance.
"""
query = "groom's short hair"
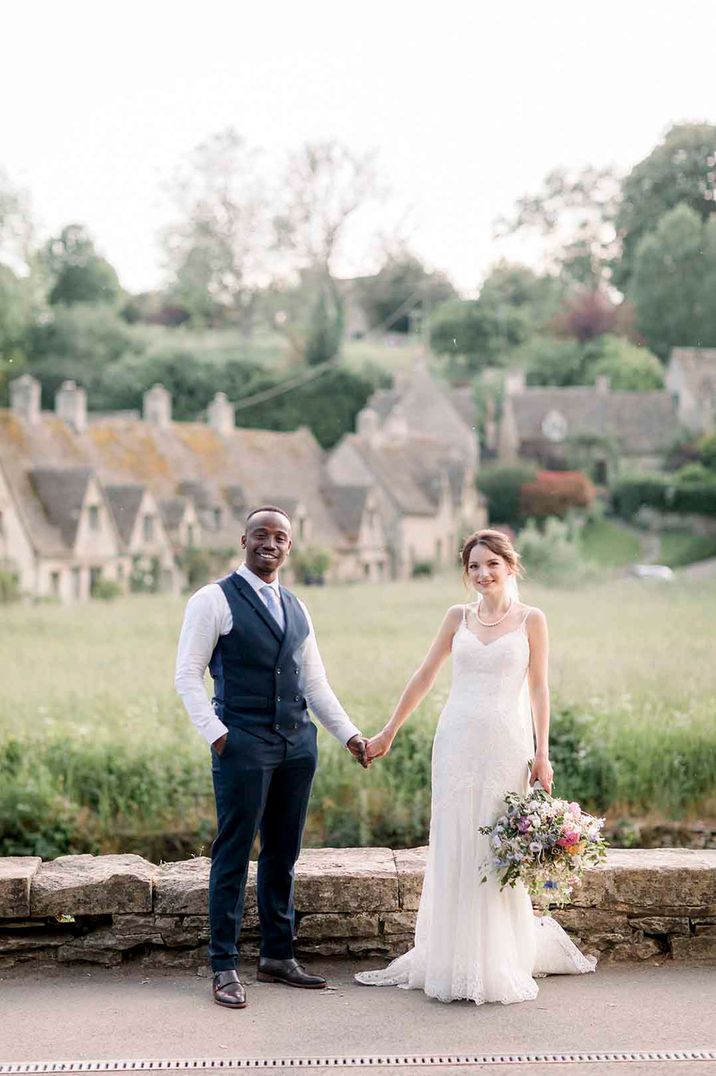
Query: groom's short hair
(268, 508)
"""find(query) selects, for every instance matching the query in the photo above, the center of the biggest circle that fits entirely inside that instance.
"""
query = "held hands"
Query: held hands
(542, 771)
(357, 745)
(379, 745)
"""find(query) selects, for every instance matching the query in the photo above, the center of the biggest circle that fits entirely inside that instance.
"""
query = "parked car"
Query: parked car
(652, 571)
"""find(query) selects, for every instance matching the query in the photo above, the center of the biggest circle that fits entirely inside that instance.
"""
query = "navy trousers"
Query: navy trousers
(262, 786)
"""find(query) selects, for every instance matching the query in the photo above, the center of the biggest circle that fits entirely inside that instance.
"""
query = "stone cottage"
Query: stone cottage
(592, 428)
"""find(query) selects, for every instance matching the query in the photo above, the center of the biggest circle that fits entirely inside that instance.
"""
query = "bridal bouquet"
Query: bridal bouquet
(545, 843)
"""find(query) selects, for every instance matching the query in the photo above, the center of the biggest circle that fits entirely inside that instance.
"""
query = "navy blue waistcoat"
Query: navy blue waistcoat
(257, 667)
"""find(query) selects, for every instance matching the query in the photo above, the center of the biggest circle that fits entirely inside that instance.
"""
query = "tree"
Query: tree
(217, 250)
(574, 214)
(14, 323)
(627, 365)
(476, 334)
(514, 303)
(325, 185)
(548, 360)
(76, 272)
(672, 284)
(401, 285)
(680, 170)
(586, 315)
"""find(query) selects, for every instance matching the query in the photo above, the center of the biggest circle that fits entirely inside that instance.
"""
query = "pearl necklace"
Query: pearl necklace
(494, 623)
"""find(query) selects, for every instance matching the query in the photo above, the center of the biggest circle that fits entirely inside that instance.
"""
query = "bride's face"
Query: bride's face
(487, 571)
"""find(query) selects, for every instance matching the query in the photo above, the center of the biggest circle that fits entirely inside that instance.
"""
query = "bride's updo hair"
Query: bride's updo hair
(498, 543)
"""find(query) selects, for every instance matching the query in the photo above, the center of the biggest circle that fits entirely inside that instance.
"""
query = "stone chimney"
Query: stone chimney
(368, 423)
(71, 405)
(221, 414)
(514, 382)
(157, 407)
(25, 398)
(602, 384)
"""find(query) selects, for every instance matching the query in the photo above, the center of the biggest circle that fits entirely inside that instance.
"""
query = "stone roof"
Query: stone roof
(61, 492)
(410, 470)
(347, 506)
(641, 423)
(172, 510)
(125, 502)
(185, 459)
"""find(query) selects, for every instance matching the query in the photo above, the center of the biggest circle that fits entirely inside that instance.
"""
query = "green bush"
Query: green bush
(631, 494)
(584, 770)
(503, 488)
(9, 586)
(310, 564)
(105, 589)
(422, 569)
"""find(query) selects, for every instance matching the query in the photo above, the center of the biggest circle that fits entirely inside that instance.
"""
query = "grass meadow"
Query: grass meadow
(97, 754)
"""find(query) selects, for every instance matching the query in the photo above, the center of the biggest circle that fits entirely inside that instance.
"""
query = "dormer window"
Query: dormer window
(217, 518)
(93, 517)
(148, 528)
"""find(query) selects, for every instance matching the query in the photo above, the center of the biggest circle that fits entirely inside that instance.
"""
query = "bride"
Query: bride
(473, 940)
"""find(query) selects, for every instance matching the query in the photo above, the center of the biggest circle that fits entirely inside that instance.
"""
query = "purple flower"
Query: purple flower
(524, 825)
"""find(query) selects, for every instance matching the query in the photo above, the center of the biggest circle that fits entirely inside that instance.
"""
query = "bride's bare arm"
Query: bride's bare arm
(538, 679)
(419, 683)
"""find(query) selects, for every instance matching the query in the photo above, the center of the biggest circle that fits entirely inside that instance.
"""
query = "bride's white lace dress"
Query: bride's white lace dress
(471, 939)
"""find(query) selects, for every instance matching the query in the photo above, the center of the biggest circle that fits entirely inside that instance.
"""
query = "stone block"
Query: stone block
(410, 864)
(75, 953)
(590, 892)
(660, 878)
(346, 880)
(586, 921)
(398, 922)
(642, 949)
(20, 940)
(40, 958)
(698, 947)
(118, 936)
(661, 924)
(187, 930)
(182, 888)
(335, 925)
(16, 874)
(92, 885)
(308, 947)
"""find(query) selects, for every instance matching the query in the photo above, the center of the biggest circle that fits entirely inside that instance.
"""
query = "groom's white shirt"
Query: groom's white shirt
(207, 617)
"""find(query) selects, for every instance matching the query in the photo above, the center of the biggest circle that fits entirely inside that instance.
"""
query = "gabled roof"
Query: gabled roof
(172, 511)
(641, 423)
(411, 470)
(347, 506)
(61, 491)
(125, 502)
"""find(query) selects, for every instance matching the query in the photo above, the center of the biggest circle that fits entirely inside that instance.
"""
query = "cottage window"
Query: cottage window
(301, 527)
(217, 518)
(77, 583)
(55, 584)
(190, 535)
(148, 528)
(93, 517)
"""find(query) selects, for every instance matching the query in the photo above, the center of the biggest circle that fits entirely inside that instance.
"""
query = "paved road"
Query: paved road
(75, 1013)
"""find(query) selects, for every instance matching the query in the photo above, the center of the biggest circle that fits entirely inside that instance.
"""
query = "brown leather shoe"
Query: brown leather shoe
(228, 989)
(289, 972)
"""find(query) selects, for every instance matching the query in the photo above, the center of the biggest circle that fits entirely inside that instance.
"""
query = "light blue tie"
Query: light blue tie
(272, 604)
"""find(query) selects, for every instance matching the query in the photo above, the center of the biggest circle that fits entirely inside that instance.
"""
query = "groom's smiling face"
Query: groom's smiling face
(267, 543)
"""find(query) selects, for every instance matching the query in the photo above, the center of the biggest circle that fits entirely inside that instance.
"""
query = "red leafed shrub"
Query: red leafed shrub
(553, 493)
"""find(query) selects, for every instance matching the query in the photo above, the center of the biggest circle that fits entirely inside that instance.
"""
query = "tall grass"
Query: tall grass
(96, 752)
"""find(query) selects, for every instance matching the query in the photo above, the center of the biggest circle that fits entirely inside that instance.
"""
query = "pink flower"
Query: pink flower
(568, 838)
(575, 809)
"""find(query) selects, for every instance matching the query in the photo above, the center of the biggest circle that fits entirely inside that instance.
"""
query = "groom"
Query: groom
(258, 642)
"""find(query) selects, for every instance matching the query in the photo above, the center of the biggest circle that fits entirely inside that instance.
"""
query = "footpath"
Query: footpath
(131, 1015)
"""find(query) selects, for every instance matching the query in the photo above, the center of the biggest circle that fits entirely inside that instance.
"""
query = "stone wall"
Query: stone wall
(351, 902)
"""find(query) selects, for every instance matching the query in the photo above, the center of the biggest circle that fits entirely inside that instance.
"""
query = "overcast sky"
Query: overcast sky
(468, 104)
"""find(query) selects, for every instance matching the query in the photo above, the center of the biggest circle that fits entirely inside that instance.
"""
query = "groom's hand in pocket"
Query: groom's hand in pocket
(220, 744)
(357, 746)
